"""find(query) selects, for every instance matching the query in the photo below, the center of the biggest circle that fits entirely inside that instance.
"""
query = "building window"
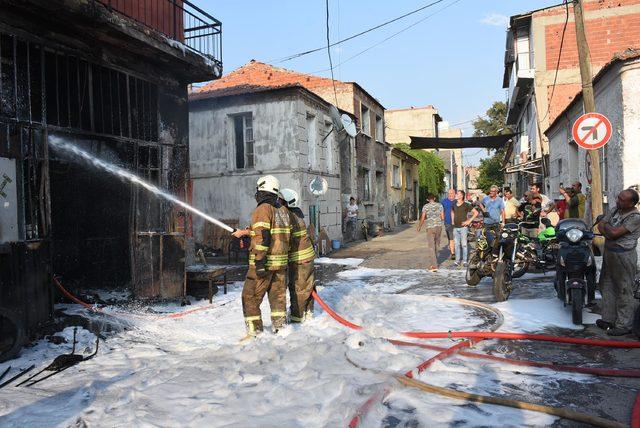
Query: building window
(243, 130)
(365, 120)
(379, 129)
(395, 176)
(312, 141)
(407, 178)
(366, 185)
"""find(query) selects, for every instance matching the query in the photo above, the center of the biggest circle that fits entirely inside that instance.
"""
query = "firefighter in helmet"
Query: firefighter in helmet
(301, 255)
(268, 256)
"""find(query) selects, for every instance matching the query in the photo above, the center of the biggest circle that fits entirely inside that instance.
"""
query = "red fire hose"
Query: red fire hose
(478, 336)
(97, 309)
(487, 334)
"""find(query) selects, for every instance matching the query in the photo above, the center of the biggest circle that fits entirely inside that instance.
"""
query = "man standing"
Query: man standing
(493, 211)
(268, 256)
(511, 206)
(573, 202)
(352, 218)
(576, 200)
(301, 266)
(433, 215)
(535, 189)
(447, 206)
(460, 213)
(621, 230)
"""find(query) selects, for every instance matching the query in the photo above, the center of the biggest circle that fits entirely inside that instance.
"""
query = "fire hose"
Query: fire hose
(95, 308)
(407, 378)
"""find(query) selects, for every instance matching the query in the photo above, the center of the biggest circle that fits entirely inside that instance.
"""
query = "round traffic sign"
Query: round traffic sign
(587, 160)
(591, 131)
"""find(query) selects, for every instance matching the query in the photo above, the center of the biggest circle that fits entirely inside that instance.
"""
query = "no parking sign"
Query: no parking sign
(592, 131)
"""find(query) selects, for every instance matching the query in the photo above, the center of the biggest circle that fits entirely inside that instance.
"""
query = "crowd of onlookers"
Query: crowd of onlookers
(618, 283)
(457, 211)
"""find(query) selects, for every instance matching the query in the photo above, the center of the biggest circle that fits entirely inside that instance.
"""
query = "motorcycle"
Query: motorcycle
(575, 281)
(481, 261)
(539, 252)
(505, 262)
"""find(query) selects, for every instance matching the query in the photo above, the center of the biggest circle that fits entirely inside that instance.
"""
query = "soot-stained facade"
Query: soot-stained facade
(111, 77)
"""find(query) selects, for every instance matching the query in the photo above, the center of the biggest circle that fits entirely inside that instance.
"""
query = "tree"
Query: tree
(431, 171)
(495, 123)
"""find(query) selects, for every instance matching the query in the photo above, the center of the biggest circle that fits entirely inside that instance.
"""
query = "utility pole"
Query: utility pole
(589, 104)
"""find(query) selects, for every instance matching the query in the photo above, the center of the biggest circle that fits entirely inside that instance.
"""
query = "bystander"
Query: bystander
(433, 216)
(621, 229)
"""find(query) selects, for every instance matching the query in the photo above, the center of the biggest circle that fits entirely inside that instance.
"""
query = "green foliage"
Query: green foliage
(495, 123)
(490, 172)
(431, 171)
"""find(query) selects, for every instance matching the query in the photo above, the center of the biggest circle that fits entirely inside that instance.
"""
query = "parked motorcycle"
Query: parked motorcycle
(481, 261)
(539, 252)
(505, 262)
(575, 280)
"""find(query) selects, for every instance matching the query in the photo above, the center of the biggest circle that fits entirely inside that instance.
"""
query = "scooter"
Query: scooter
(575, 281)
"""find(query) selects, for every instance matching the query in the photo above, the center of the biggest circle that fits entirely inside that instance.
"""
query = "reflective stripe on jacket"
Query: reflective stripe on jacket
(301, 248)
(270, 231)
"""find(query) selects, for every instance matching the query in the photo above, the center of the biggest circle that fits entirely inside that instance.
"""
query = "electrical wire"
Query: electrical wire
(333, 80)
(390, 37)
(555, 77)
(299, 54)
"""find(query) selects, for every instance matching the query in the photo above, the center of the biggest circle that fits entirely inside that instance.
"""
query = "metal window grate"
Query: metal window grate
(42, 86)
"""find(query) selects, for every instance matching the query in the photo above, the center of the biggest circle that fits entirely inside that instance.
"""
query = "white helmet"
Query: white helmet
(268, 183)
(290, 197)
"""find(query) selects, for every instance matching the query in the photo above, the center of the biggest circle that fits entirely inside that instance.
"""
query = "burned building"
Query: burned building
(110, 76)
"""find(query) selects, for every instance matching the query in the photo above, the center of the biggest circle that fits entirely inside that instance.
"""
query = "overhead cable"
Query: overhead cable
(299, 54)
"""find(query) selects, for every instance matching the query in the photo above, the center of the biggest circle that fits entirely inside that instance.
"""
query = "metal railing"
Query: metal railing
(179, 20)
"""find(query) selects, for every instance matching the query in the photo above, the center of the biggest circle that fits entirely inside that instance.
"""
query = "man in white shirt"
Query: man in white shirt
(352, 218)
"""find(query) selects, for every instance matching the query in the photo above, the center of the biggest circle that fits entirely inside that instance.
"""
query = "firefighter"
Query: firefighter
(268, 255)
(301, 255)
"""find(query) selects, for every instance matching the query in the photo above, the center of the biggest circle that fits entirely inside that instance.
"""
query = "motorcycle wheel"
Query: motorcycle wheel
(12, 335)
(561, 280)
(520, 268)
(591, 286)
(501, 290)
(472, 277)
(636, 323)
(577, 300)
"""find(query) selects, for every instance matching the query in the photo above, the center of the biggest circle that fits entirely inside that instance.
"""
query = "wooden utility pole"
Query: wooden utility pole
(589, 104)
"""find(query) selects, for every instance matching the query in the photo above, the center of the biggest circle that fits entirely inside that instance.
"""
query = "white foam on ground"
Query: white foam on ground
(344, 262)
(194, 371)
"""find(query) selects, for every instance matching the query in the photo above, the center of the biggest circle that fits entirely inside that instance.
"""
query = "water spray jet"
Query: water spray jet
(59, 144)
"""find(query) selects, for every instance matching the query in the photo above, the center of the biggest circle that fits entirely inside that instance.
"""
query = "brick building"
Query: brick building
(363, 159)
(110, 77)
(532, 49)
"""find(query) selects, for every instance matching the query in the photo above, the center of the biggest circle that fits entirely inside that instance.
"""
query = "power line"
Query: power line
(299, 54)
(555, 77)
(390, 37)
(333, 80)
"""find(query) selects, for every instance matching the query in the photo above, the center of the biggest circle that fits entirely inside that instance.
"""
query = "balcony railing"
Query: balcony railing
(179, 20)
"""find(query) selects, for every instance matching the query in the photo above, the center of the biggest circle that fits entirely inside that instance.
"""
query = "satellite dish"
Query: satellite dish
(335, 118)
(318, 186)
(348, 125)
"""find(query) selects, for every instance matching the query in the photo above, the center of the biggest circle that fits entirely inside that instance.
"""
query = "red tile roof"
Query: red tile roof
(256, 76)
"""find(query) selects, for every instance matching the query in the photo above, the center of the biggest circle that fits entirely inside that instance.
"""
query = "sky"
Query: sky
(453, 59)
